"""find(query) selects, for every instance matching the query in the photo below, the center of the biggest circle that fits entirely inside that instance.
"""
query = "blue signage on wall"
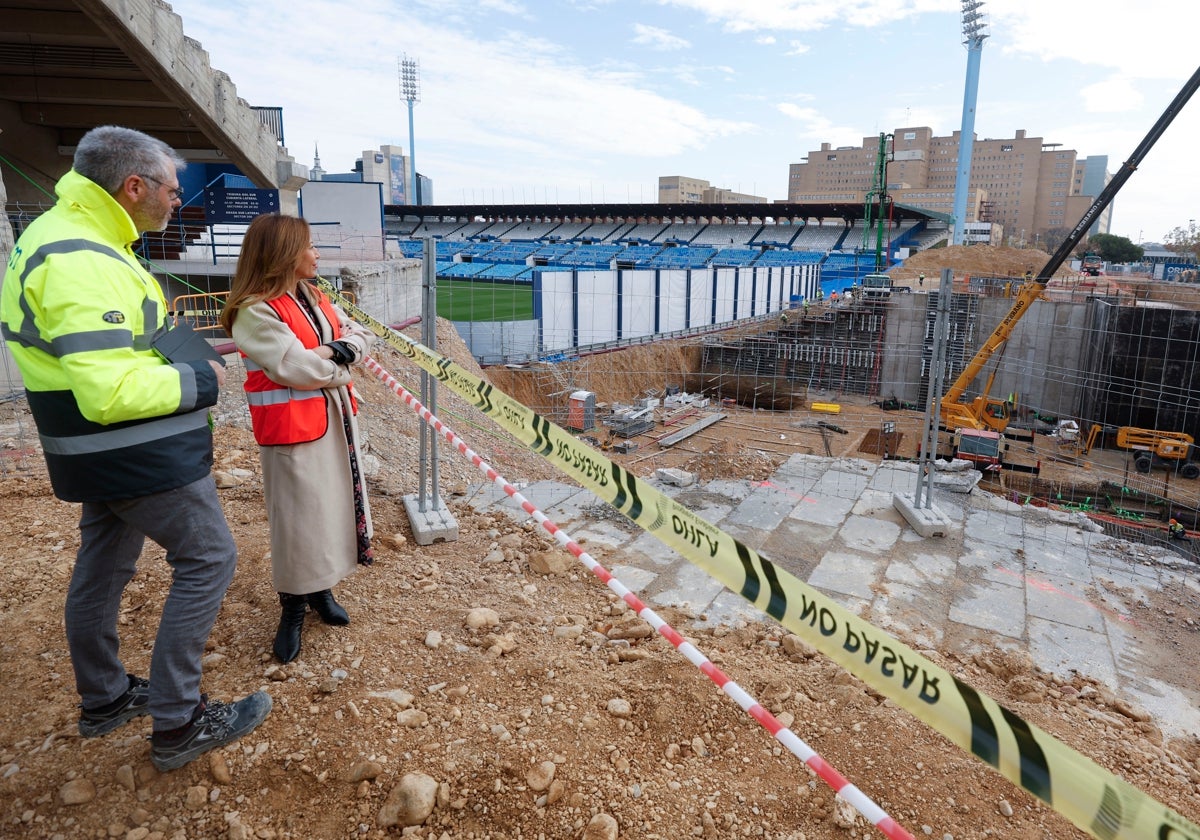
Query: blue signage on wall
(237, 206)
(1171, 270)
(397, 170)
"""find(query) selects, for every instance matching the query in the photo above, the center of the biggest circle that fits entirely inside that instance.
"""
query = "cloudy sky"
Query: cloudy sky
(569, 100)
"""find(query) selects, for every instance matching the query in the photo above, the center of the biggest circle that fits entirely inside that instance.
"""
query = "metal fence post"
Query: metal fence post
(428, 515)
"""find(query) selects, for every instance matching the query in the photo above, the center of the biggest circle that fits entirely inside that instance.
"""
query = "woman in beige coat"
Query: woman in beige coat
(298, 348)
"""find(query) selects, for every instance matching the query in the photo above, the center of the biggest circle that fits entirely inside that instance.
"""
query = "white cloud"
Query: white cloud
(818, 128)
(900, 117)
(1148, 41)
(694, 74)
(505, 7)
(766, 40)
(797, 48)
(808, 15)
(1113, 95)
(656, 38)
(481, 97)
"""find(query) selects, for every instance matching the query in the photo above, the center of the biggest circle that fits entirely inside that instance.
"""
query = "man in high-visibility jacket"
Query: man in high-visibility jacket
(126, 433)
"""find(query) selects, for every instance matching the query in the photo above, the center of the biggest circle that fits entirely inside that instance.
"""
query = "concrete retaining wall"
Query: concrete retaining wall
(1048, 340)
(390, 291)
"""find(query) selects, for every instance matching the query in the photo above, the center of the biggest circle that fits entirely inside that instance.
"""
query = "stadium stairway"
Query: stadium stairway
(185, 228)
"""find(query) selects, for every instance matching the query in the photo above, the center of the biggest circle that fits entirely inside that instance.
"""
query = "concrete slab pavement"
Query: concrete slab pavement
(1004, 575)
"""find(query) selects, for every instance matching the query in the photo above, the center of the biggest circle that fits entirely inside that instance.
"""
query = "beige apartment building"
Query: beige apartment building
(679, 189)
(1022, 184)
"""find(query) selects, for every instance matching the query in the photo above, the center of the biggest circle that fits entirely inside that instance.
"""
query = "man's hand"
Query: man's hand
(219, 371)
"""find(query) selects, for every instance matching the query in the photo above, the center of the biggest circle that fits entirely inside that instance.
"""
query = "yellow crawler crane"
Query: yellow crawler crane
(985, 412)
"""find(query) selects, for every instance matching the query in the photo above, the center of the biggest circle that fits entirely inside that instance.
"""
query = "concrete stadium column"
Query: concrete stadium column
(6, 231)
(10, 378)
(290, 177)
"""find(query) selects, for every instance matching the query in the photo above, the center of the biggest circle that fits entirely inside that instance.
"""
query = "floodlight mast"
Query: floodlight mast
(974, 29)
(410, 91)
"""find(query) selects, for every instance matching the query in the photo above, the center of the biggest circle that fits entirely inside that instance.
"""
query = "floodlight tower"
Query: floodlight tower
(410, 91)
(974, 31)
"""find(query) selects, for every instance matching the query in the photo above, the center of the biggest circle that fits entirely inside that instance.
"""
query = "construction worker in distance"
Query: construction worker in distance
(783, 318)
(1176, 531)
(1028, 274)
(921, 279)
(806, 306)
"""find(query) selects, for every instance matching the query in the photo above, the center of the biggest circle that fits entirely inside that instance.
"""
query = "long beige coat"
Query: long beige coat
(308, 486)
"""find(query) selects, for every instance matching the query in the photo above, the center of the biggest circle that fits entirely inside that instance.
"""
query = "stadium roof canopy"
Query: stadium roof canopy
(929, 214)
(781, 212)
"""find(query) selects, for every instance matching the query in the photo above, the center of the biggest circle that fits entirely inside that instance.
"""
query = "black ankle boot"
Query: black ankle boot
(331, 611)
(291, 622)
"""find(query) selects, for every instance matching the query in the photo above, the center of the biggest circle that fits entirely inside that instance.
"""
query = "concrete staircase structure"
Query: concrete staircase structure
(69, 65)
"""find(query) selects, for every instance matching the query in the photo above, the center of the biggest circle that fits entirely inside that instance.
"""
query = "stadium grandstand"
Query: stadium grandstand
(645, 232)
(507, 242)
(735, 234)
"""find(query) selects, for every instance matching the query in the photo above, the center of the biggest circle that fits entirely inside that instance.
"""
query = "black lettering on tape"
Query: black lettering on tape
(889, 660)
(700, 539)
(856, 642)
(808, 610)
(484, 403)
(930, 692)
(828, 622)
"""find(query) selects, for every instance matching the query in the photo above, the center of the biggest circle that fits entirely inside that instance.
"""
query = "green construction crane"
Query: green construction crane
(876, 211)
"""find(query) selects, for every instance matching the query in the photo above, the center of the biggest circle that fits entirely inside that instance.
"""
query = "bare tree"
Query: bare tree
(1184, 241)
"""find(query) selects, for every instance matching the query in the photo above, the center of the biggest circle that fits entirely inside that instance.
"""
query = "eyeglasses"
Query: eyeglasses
(176, 192)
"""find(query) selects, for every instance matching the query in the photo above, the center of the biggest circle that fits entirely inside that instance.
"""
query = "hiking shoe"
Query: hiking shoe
(215, 724)
(96, 722)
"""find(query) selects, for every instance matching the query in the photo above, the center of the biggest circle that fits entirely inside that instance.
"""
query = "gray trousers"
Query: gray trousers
(189, 523)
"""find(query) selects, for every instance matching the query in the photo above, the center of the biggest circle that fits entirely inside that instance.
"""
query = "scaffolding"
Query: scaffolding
(835, 349)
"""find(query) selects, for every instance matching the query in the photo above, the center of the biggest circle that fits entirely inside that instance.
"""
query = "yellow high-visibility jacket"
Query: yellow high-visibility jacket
(79, 313)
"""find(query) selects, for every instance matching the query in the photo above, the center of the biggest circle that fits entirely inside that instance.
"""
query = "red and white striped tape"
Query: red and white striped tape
(795, 745)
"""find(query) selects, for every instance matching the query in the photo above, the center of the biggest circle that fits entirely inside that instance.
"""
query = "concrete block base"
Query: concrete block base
(434, 523)
(926, 521)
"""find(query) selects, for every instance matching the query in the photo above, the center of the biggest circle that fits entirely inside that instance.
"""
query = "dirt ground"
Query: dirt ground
(559, 716)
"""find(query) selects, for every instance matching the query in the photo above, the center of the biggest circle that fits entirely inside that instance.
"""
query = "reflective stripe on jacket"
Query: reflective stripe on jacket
(282, 415)
(79, 312)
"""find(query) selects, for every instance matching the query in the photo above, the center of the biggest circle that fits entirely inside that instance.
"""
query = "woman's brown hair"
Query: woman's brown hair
(266, 267)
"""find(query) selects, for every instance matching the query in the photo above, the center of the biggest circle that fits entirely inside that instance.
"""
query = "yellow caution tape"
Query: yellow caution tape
(1094, 799)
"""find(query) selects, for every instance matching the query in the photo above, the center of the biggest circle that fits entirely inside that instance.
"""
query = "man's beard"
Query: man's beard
(152, 215)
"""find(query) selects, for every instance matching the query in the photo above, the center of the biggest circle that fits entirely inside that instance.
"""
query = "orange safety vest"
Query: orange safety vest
(281, 415)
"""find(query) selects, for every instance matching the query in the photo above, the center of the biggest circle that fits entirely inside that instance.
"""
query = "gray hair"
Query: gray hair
(109, 154)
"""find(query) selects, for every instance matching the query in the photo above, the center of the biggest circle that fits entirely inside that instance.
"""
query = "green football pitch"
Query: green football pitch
(473, 300)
